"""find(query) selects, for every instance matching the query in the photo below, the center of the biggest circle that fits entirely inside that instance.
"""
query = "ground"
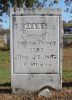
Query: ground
(64, 94)
(5, 88)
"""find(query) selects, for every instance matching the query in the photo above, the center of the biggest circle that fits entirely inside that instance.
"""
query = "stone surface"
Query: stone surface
(36, 44)
(7, 39)
(35, 50)
(45, 93)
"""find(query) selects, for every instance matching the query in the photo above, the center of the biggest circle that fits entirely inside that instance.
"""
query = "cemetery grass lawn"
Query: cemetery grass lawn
(67, 75)
(67, 64)
(4, 67)
(4, 62)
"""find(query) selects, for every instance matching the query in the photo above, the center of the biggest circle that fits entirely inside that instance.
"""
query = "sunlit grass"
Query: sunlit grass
(67, 75)
(4, 66)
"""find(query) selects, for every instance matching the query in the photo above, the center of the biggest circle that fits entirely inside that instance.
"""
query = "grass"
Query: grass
(4, 67)
(67, 75)
(4, 62)
(67, 39)
(67, 64)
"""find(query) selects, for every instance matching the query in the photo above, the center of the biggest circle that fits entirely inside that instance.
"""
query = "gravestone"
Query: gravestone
(7, 39)
(36, 54)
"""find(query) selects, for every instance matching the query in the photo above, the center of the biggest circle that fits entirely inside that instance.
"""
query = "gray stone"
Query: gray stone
(45, 93)
(7, 39)
(35, 49)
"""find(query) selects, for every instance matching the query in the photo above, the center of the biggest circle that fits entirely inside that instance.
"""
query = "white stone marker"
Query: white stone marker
(35, 49)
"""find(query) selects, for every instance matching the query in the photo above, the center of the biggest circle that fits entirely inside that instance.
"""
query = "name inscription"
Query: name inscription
(35, 26)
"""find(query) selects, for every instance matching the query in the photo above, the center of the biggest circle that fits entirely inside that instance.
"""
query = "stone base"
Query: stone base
(35, 82)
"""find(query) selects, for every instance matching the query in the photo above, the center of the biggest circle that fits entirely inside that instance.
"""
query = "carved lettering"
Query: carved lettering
(35, 26)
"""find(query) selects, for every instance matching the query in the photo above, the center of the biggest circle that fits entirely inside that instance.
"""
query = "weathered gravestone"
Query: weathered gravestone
(7, 39)
(36, 49)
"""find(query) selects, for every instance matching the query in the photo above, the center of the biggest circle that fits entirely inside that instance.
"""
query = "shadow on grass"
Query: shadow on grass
(4, 48)
(6, 87)
(67, 84)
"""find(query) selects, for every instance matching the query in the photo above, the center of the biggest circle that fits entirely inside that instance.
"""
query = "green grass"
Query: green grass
(67, 75)
(67, 39)
(67, 25)
(4, 66)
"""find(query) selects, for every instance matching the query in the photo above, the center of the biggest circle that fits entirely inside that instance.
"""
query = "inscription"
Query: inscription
(23, 42)
(35, 26)
(36, 44)
(52, 56)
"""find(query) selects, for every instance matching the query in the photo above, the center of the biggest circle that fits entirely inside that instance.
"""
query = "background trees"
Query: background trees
(6, 4)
